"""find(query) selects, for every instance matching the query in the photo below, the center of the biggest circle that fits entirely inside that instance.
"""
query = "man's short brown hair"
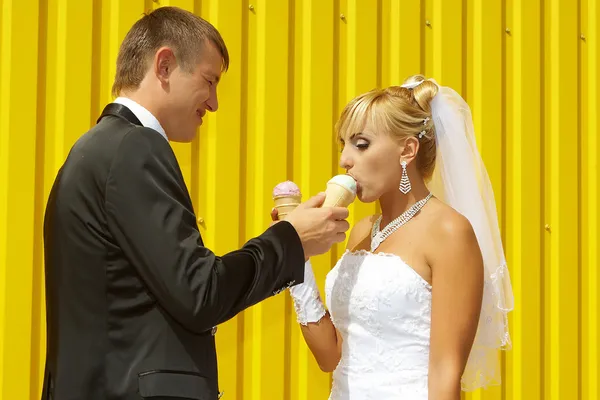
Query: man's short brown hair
(184, 32)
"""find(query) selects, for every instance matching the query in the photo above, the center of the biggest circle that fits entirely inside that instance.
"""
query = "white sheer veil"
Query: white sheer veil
(460, 180)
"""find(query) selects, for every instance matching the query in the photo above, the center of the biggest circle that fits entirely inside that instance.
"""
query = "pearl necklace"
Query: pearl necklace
(378, 236)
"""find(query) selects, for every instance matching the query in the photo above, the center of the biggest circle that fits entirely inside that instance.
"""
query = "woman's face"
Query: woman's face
(372, 158)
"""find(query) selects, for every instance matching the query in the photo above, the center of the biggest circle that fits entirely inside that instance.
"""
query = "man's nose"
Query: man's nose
(212, 104)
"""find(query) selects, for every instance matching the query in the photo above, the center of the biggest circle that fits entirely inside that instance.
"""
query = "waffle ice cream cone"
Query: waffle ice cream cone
(340, 192)
(286, 197)
(286, 204)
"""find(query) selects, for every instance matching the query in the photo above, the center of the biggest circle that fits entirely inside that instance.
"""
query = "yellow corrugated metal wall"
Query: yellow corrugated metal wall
(528, 68)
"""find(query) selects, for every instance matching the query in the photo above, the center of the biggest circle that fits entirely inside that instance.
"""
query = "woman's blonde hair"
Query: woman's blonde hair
(398, 112)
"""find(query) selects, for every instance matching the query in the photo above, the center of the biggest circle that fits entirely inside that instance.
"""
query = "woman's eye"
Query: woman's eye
(362, 144)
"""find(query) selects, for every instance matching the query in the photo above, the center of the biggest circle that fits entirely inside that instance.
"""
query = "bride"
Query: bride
(417, 305)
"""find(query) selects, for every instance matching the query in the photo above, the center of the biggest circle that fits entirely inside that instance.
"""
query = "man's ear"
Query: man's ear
(164, 64)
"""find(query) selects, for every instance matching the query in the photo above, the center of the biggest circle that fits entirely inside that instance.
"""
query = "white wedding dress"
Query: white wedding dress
(382, 309)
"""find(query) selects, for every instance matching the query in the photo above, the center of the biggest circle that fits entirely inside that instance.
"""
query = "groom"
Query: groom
(132, 294)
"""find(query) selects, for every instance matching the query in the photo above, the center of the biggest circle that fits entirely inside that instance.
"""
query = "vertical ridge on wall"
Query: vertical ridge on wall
(59, 73)
(379, 59)
(427, 55)
(585, 210)
(250, 352)
(288, 318)
(18, 99)
(544, 207)
(315, 110)
(336, 85)
(485, 87)
(267, 134)
(593, 226)
(110, 50)
(219, 188)
(299, 355)
(590, 238)
(240, 385)
(401, 41)
(466, 10)
(446, 64)
(594, 187)
(340, 94)
(580, 210)
(361, 61)
(38, 317)
(562, 135)
(95, 25)
(504, 21)
(524, 194)
(5, 109)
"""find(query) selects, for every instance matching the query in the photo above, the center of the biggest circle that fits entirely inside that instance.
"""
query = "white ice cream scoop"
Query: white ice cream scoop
(340, 192)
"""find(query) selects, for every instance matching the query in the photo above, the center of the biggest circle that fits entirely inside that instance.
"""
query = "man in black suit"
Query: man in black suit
(132, 294)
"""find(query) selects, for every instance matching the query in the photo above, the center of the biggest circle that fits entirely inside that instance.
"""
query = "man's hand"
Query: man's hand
(274, 216)
(318, 228)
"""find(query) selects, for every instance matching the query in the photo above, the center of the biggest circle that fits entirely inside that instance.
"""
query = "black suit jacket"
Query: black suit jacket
(132, 294)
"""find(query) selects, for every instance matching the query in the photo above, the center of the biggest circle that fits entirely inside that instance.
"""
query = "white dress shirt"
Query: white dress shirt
(145, 116)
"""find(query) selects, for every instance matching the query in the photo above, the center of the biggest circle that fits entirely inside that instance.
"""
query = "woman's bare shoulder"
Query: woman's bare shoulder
(447, 222)
(450, 230)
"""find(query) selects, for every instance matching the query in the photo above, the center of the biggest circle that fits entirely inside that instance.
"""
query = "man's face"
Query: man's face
(191, 95)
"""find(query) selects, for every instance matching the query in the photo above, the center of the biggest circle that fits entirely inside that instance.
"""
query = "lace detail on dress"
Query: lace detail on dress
(382, 308)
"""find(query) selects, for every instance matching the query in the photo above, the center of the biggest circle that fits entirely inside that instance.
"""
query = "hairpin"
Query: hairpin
(412, 85)
(425, 121)
(421, 134)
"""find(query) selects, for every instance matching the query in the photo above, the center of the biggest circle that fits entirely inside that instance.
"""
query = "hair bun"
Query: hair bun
(423, 92)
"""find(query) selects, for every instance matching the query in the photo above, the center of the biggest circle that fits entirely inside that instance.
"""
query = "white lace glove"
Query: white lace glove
(307, 301)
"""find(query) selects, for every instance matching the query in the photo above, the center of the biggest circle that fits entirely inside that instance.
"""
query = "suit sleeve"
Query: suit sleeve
(150, 216)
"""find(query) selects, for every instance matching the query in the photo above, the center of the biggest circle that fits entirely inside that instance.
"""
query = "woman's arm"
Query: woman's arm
(457, 268)
(322, 338)
(324, 342)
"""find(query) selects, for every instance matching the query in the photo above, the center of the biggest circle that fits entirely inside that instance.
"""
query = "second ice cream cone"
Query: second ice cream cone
(286, 197)
(286, 204)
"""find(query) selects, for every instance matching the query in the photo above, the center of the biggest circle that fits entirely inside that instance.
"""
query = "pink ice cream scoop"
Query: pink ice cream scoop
(287, 188)
(286, 196)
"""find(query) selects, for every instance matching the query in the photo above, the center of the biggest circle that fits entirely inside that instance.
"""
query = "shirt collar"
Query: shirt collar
(145, 116)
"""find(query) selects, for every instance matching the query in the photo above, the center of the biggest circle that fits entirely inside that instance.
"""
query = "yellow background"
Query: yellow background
(528, 68)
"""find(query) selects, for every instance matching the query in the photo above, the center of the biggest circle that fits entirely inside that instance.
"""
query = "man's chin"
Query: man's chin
(184, 138)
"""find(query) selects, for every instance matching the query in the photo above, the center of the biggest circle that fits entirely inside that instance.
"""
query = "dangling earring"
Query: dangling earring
(404, 182)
